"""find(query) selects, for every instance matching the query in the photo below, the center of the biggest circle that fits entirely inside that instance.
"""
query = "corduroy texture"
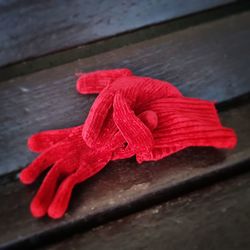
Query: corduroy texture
(73, 162)
(131, 116)
(182, 121)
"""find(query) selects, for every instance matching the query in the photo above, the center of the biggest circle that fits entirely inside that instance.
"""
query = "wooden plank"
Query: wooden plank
(215, 218)
(209, 61)
(123, 187)
(118, 41)
(31, 29)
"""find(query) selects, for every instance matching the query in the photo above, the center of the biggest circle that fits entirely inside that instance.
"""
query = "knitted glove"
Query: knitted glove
(73, 162)
(136, 90)
(131, 116)
(181, 122)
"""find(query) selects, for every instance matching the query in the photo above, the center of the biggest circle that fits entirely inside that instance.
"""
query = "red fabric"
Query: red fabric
(73, 162)
(131, 116)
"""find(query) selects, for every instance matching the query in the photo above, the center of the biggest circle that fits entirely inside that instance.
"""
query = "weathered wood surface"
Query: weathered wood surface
(216, 218)
(209, 61)
(123, 187)
(124, 39)
(34, 28)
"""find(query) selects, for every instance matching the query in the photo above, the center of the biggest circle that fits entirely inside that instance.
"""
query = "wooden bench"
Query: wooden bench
(205, 53)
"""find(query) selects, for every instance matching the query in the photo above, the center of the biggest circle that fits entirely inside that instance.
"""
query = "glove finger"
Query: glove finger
(107, 133)
(43, 161)
(95, 82)
(120, 148)
(45, 194)
(97, 115)
(149, 118)
(61, 200)
(135, 132)
(110, 138)
(41, 141)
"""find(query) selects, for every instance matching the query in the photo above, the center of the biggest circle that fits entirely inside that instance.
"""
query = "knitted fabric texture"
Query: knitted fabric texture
(132, 116)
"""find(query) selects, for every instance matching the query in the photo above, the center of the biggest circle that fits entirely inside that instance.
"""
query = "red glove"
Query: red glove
(182, 122)
(131, 116)
(137, 92)
(73, 162)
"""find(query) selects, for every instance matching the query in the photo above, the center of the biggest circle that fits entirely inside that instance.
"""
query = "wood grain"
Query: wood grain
(216, 218)
(33, 28)
(209, 61)
(123, 187)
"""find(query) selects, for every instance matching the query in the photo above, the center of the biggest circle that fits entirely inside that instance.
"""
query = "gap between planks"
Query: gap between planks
(215, 217)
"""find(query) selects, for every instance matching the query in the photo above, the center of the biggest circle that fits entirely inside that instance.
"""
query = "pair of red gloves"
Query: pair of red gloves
(131, 116)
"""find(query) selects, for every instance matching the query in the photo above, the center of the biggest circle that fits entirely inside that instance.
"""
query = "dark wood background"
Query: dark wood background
(34, 28)
(205, 53)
